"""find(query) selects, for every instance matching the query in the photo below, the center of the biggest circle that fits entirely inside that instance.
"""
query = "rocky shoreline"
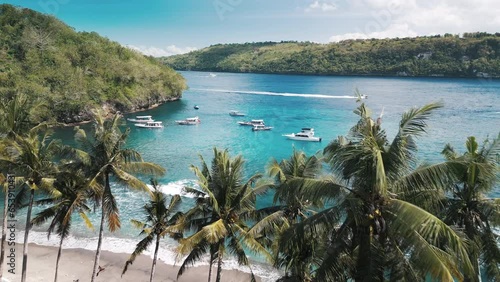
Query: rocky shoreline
(110, 110)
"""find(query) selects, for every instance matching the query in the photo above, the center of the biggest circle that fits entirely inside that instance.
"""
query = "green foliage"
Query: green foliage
(473, 55)
(73, 72)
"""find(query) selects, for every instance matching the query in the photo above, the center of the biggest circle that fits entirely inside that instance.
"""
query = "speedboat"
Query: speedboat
(189, 121)
(253, 122)
(236, 114)
(141, 119)
(306, 134)
(150, 124)
(261, 127)
(196, 107)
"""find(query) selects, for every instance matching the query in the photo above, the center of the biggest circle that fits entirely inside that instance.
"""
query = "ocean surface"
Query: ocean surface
(287, 103)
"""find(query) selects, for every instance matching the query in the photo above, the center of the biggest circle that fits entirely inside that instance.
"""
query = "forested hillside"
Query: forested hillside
(472, 55)
(72, 72)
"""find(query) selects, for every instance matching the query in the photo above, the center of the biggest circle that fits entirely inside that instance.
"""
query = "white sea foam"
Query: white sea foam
(177, 187)
(127, 245)
(311, 95)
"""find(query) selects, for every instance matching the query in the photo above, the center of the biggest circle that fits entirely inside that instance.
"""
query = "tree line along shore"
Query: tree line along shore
(373, 215)
(473, 54)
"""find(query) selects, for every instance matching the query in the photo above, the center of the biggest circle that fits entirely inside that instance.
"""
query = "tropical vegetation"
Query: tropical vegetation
(75, 72)
(469, 55)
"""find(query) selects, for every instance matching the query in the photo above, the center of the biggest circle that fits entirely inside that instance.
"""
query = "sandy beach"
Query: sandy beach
(76, 265)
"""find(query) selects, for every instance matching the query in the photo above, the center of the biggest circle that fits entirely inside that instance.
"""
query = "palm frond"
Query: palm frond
(139, 249)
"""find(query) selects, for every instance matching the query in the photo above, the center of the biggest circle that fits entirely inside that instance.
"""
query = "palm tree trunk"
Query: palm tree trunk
(219, 265)
(210, 267)
(26, 234)
(155, 257)
(473, 254)
(4, 228)
(58, 257)
(99, 241)
(363, 264)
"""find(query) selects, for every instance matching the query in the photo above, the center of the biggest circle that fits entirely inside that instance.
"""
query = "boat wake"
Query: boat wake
(320, 96)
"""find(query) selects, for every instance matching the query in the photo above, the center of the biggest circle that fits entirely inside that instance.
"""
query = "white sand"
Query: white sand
(76, 264)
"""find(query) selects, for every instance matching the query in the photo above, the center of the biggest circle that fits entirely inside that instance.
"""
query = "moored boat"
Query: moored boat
(261, 127)
(141, 119)
(236, 114)
(306, 134)
(189, 121)
(252, 122)
(150, 124)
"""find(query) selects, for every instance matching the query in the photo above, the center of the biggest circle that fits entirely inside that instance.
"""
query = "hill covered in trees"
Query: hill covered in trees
(472, 55)
(73, 72)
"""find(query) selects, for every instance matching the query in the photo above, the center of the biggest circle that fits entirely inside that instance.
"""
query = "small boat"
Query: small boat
(252, 122)
(189, 121)
(141, 119)
(212, 74)
(150, 124)
(196, 107)
(236, 114)
(261, 127)
(306, 134)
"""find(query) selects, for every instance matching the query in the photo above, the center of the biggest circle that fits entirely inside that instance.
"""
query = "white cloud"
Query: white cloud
(323, 6)
(402, 18)
(161, 52)
(396, 30)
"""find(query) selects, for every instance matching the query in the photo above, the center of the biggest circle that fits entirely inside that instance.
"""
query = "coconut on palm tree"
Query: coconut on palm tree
(159, 217)
(71, 197)
(373, 231)
(219, 219)
(468, 206)
(102, 155)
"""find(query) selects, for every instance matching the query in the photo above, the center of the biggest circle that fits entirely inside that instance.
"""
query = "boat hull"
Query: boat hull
(301, 138)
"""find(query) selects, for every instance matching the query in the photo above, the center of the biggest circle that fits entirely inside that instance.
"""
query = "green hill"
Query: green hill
(472, 55)
(73, 72)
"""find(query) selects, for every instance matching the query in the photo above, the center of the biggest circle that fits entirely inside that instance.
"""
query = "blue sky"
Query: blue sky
(166, 27)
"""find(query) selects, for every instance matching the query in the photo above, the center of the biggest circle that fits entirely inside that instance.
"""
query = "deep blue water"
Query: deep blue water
(288, 103)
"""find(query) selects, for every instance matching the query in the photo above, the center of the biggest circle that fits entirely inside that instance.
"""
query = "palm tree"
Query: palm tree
(468, 208)
(291, 207)
(71, 198)
(14, 121)
(219, 220)
(33, 158)
(374, 232)
(158, 218)
(102, 155)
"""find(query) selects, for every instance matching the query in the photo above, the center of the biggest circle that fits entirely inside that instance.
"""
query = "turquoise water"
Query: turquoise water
(288, 103)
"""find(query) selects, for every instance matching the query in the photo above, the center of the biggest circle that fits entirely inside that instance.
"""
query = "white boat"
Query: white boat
(150, 124)
(236, 114)
(252, 122)
(141, 119)
(306, 134)
(189, 121)
(261, 127)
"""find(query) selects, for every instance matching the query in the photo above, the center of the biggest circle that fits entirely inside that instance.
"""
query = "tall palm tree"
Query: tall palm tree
(291, 207)
(33, 158)
(72, 197)
(102, 155)
(158, 218)
(14, 121)
(219, 220)
(374, 232)
(468, 207)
